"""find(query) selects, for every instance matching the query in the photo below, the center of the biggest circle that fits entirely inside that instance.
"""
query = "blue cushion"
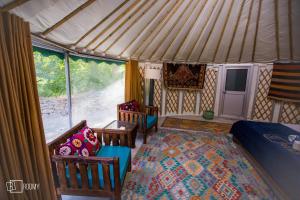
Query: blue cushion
(151, 120)
(123, 153)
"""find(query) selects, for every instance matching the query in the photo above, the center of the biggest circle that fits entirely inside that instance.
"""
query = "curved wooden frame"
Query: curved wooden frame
(71, 186)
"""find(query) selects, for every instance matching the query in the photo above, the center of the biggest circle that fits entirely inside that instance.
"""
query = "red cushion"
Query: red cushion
(83, 143)
(130, 106)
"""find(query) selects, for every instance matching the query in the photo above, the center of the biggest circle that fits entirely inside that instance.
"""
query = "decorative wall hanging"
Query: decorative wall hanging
(184, 76)
(285, 83)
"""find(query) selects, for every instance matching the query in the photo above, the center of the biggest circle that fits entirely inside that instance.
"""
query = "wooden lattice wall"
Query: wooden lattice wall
(263, 106)
(157, 97)
(189, 101)
(172, 101)
(142, 81)
(207, 100)
(290, 113)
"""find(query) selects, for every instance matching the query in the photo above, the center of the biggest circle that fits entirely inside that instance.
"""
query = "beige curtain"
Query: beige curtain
(132, 82)
(23, 149)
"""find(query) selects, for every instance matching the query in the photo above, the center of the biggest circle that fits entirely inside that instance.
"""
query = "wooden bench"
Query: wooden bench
(78, 175)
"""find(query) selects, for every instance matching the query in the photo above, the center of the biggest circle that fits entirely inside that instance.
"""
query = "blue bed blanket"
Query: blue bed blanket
(268, 143)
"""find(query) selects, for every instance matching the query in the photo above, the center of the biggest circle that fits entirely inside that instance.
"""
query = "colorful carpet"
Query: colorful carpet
(196, 125)
(179, 165)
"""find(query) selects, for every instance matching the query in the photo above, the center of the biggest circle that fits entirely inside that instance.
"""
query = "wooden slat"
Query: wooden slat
(144, 28)
(256, 30)
(101, 21)
(290, 29)
(69, 16)
(83, 174)
(62, 174)
(115, 139)
(117, 176)
(137, 10)
(95, 176)
(131, 117)
(12, 5)
(129, 9)
(276, 28)
(122, 139)
(106, 176)
(107, 138)
(73, 177)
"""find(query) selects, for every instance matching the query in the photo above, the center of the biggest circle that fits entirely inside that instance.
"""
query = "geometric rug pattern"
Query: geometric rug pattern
(180, 165)
(196, 125)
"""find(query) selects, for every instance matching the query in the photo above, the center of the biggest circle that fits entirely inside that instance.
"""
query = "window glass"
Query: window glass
(97, 87)
(51, 81)
(236, 79)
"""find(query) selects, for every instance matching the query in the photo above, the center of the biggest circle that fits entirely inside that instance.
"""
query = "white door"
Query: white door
(234, 98)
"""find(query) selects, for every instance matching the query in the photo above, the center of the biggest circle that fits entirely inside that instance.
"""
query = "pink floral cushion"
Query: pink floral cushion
(130, 106)
(83, 143)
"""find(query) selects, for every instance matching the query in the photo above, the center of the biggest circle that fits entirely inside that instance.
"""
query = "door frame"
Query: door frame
(247, 90)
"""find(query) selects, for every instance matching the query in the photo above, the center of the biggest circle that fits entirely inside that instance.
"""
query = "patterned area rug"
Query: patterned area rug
(180, 165)
(196, 125)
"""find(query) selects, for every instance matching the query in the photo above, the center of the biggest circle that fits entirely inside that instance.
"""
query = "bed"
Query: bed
(268, 144)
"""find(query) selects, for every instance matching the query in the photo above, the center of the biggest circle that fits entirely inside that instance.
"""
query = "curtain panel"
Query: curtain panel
(132, 82)
(23, 150)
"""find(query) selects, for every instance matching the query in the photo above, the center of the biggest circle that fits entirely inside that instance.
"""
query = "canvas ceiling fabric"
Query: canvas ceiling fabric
(23, 150)
(188, 31)
(285, 82)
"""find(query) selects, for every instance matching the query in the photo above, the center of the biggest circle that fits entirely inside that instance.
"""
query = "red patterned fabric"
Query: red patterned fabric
(83, 143)
(130, 106)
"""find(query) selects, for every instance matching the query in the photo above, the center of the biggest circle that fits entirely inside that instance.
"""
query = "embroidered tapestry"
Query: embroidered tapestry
(285, 83)
(184, 76)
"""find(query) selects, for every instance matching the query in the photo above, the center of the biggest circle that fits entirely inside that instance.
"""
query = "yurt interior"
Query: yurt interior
(150, 99)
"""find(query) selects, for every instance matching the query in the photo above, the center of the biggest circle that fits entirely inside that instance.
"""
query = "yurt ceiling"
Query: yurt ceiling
(191, 31)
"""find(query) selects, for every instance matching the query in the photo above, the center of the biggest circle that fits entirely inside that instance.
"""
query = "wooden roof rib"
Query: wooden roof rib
(190, 31)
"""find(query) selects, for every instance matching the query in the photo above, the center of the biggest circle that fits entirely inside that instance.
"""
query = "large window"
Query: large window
(96, 88)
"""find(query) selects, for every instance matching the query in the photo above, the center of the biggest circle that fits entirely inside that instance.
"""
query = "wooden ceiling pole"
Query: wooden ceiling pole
(276, 28)
(147, 25)
(129, 9)
(12, 5)
(256, 30)
(101, 21)
(246, 30)
(149, 40)
(188, 5)
(137, 10)
(235, 29)
(200, 33)
(211, 30)
(131, 24)
(178, 32)
(69, 16)
(223, 29)
(290, 29)
(190, 30)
